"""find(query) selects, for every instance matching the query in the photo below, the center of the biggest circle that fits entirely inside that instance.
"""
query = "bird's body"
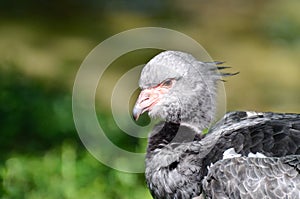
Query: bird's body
(180, 169)
(182, 163)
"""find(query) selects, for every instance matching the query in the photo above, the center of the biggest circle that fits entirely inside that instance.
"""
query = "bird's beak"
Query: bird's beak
(146, 100)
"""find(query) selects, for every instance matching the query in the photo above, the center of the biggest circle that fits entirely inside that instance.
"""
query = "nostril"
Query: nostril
(145, 99)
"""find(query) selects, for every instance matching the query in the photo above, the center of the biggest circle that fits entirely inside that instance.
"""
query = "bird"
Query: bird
(245, 154)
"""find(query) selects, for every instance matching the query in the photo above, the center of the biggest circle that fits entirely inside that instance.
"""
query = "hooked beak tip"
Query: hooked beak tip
(136, 113)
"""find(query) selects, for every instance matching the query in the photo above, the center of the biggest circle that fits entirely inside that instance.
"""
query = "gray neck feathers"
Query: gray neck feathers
(200, 107)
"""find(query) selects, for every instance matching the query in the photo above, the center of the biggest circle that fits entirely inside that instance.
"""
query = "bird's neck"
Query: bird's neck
(170, 132)
(162, 135)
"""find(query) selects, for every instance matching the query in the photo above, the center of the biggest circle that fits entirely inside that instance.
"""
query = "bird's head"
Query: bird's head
(176, 87)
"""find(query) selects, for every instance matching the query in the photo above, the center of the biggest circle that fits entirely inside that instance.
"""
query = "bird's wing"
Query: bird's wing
(255, 178)
(277, 136)
(272, 134)
(175, 171)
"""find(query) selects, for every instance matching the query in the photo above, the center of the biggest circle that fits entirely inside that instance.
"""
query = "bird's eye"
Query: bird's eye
(168, 83)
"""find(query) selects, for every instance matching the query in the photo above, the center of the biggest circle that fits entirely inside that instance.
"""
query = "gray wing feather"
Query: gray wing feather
(254, 178)
(175, 172)
(273, 134)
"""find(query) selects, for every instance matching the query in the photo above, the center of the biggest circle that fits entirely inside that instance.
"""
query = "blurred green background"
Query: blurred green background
(42, 44)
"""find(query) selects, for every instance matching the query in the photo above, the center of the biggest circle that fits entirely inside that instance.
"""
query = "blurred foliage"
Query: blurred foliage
(42, 44)
(63, 173)
(32, 111)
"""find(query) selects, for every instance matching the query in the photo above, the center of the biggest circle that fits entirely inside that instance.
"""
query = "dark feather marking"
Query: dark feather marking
(228, 74)
(223, 67)
(173, 165)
